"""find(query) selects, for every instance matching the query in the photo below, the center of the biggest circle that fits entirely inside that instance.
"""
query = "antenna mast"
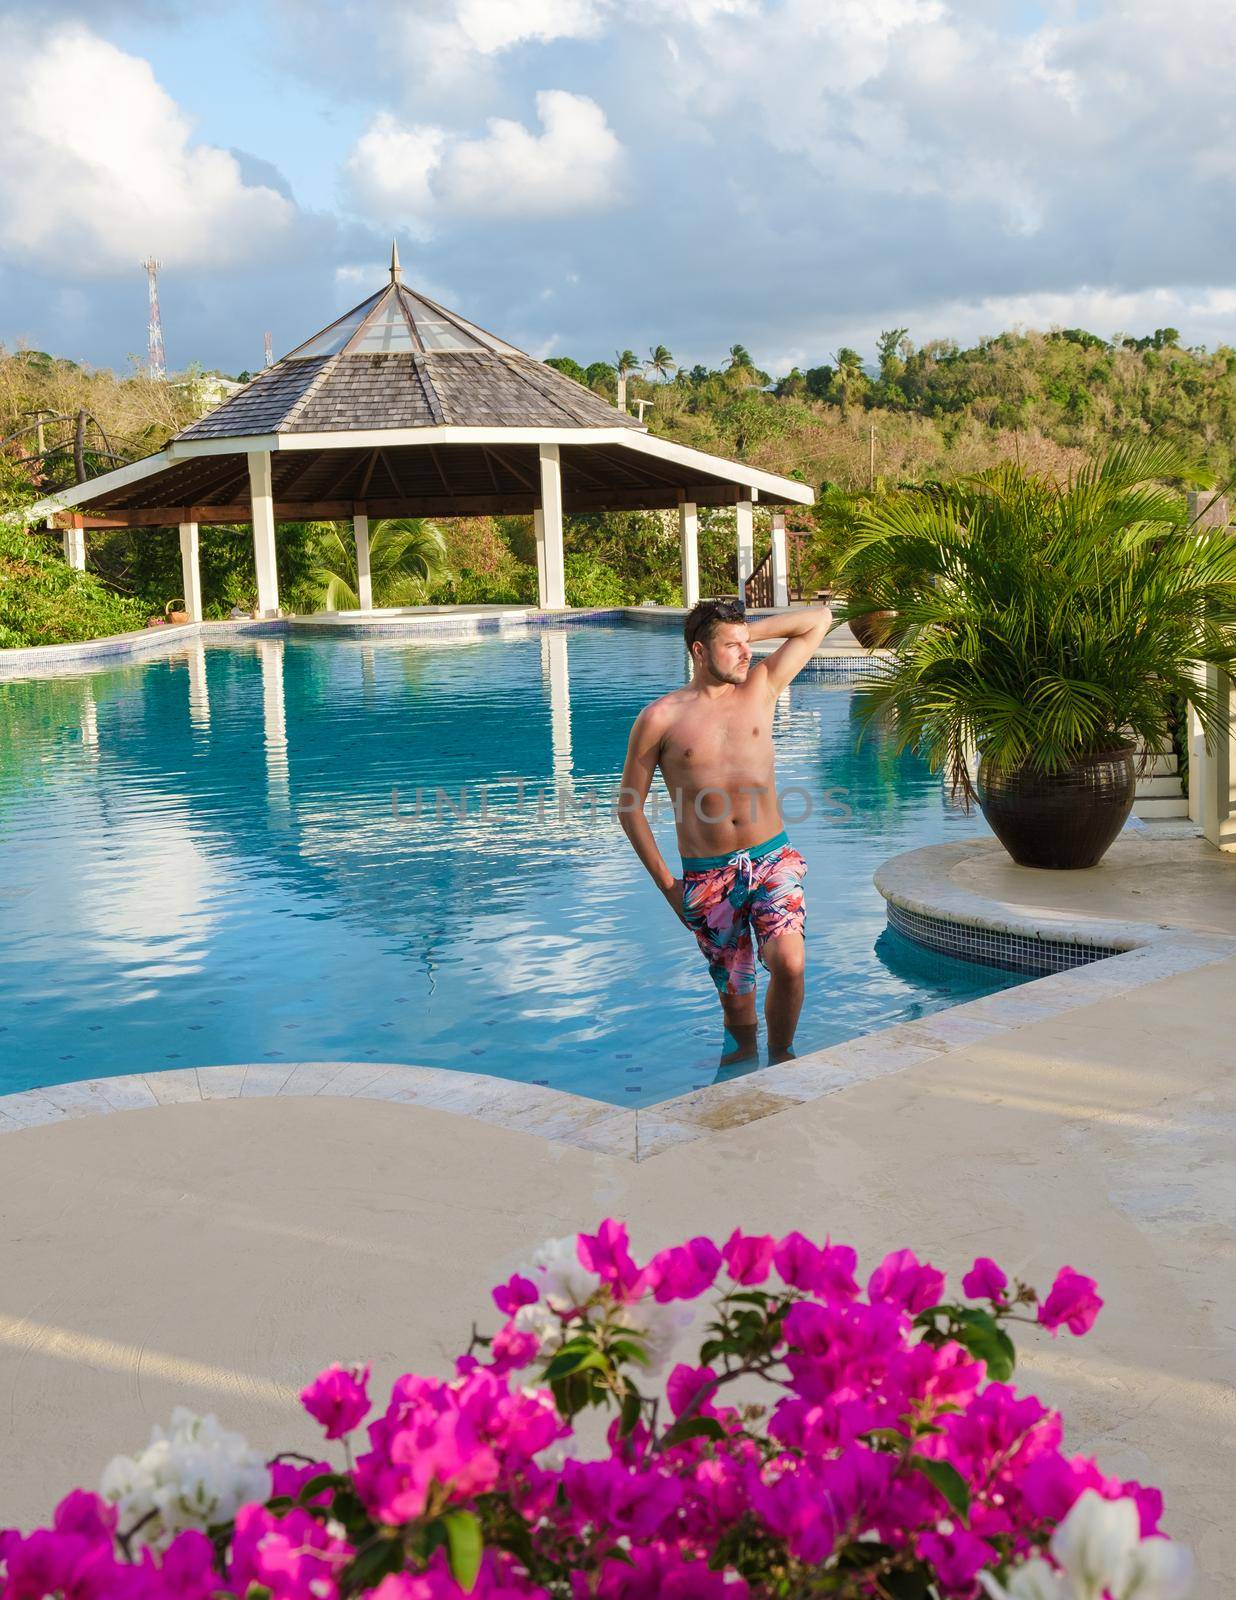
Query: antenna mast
(157, 360)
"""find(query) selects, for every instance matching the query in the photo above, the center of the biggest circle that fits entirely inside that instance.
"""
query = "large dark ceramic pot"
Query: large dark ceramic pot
(1061, 819)
(872, 630)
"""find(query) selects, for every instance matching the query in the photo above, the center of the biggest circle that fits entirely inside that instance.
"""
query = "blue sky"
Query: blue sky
(585, 175)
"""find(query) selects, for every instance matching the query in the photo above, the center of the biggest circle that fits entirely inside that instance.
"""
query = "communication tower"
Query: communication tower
(157, 360)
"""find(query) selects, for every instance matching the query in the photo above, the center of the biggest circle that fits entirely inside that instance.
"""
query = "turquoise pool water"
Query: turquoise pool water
(217, 857)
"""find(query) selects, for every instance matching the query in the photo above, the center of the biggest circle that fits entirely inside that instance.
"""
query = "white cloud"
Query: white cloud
(410, 173)
(391, 166)
(493, 25)
(99, 165)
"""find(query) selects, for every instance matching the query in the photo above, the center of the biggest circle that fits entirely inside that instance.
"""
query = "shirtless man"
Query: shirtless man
(713, 743)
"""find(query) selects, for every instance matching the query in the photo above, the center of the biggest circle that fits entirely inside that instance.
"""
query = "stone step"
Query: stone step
(1153, 809)
(1162, 765)
(1158, 788)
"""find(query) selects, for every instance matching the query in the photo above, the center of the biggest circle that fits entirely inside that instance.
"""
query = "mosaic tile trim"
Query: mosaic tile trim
(1015, 952)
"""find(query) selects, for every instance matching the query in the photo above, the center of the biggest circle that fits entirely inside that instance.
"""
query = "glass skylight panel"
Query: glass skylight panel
(385, 332)
(332, 340)
(436, 333)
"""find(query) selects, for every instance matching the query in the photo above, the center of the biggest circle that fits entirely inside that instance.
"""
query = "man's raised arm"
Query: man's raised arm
(803, 631)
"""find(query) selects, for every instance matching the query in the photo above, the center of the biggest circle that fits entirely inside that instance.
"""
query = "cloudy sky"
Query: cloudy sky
(583, 175)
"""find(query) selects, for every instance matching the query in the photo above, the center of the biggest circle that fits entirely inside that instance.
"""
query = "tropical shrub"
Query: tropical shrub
(589, 582)
(1040, 621)
(45, 601)
(887, 1454)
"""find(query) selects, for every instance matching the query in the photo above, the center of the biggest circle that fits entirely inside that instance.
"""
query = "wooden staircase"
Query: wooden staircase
(757, 591)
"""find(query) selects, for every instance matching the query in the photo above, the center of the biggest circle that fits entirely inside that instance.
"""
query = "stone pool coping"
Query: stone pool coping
(638, 1134)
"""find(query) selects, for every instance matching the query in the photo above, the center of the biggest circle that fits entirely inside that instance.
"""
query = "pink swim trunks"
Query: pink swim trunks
(724, 897)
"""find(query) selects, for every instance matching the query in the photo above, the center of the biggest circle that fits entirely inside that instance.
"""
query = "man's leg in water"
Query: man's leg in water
(785, 958)
(740, 1028)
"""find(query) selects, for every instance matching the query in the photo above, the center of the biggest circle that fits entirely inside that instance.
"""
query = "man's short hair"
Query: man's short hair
(706, 616)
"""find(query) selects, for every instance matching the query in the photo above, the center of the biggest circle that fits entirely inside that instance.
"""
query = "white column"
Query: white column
(556, 675)
(689, 541)
(550, 563)
(262, 499)
(191, 570)
(538, 529)
(199, 692)
(274, 723)
(364, 579)
(1213, 774)
(780, 561)
(746, 543)
(75, 548)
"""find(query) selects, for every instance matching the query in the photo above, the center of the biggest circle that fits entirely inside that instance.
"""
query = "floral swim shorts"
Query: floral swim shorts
(724, 897)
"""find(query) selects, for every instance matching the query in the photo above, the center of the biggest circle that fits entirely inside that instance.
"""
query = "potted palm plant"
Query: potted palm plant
(1048, 634)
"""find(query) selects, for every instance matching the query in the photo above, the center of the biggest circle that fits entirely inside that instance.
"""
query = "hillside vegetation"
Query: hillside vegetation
(900, 415)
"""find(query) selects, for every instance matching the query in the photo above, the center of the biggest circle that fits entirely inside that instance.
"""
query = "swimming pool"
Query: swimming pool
(219, 856)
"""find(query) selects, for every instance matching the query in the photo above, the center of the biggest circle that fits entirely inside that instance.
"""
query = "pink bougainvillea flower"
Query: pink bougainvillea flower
(513, 1348)
(294, 1556)
(607, 1253)
(685, 1383)
(905, 1281)
(338, 1399)
(686, 1271)
(1073, 1303)
(518, 1291)
(957, 1557)
(827, 1272)
(985, 1281)
(86, 1514)
(187, 1569)
(290, 1477)
(748, 1257)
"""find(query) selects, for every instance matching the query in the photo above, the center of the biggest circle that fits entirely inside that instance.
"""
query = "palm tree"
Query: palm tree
(660, 363)
(740, 359)
(625, 363)
(405, 555)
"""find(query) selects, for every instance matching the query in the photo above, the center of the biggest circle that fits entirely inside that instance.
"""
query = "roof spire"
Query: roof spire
(396, 272)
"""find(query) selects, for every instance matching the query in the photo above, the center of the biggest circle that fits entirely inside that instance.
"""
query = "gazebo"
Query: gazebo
(402, 408)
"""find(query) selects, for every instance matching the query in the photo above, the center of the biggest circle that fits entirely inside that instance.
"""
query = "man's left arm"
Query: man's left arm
(803, 630)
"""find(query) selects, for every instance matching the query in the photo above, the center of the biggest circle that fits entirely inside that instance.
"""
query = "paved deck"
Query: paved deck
(219, 1253)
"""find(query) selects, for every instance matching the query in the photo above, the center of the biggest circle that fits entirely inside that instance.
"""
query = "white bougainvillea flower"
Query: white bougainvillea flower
(1099, 1552)
(195, 1475)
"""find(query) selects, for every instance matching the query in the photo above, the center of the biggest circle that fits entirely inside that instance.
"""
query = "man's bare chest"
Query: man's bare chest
(739, 739)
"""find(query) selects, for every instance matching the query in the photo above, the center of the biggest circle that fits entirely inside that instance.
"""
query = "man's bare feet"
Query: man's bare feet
(739, 1043)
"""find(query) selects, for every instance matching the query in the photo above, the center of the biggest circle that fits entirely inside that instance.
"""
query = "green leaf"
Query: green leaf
(890, 1438)
(368, 1567)
(465, 1546)
(987, 1341)
(630, 1412)
(312, 1486)
(567, 1362)
(695, 1428)
(946, 1478)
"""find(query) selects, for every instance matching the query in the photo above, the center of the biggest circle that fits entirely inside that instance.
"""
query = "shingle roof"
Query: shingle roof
(398, 360)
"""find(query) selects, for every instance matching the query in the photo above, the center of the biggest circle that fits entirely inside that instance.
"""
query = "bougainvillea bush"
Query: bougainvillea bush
(829, 1439)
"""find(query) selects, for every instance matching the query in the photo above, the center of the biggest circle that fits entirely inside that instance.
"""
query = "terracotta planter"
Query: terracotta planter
(1063, 819)
(872, 631)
